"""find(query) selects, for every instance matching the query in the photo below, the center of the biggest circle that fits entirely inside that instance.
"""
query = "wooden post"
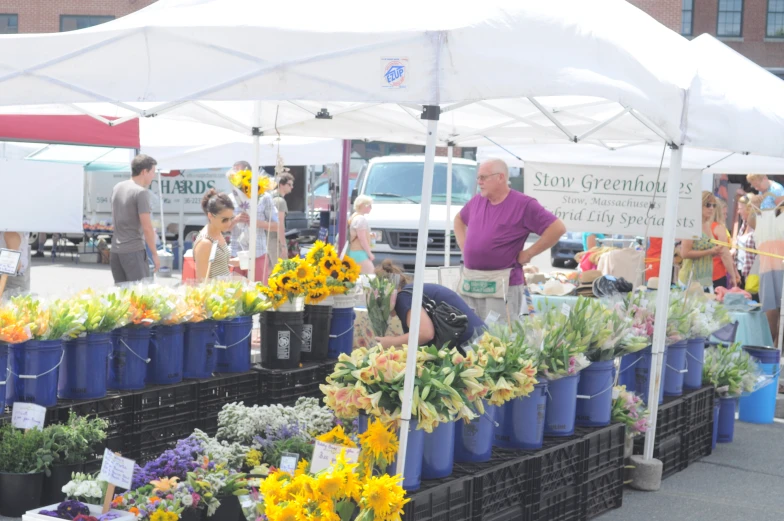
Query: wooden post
(107, 500)
(3, 282)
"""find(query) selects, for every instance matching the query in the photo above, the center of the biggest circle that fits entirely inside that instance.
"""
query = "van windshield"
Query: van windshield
(402, 182)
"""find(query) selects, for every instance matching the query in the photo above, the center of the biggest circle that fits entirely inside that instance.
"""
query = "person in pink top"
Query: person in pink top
(491, 231)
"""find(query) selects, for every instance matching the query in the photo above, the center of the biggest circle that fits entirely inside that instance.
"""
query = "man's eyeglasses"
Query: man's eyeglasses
(483, 178)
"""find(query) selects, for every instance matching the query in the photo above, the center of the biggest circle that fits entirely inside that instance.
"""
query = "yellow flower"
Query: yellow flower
(376, 495)
(304, 272)
(158, 515)
(302, 467)
(328, 264)
(380, 441)
(164, 484)
(330, 485)
(337, 436)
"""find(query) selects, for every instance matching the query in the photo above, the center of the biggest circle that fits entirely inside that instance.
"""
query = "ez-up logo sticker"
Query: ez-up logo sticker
(394, 73)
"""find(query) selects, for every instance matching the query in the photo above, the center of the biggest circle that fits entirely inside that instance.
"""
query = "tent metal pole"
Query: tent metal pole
(448, 225)
(254, 195)
(431, 115)
(663, 295)
(160, 199)
(345, 166)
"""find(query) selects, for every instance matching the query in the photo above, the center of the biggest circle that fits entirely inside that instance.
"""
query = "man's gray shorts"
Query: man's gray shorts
(129, 267)
(483, 306)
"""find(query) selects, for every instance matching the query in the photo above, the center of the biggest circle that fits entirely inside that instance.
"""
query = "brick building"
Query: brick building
(51, 16)
(754, 28)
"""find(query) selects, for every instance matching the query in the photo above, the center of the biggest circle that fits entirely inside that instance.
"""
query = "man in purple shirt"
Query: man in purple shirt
(491, 230)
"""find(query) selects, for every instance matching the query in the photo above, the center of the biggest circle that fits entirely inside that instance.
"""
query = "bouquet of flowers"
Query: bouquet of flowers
(149, 304)
(378, 295)
(223, 299)
(331, 276)
(637, 307)
(53, 320)
(608, 329)
(181, 312)
(680, 316)
(196, 301)
(731, 370)
(565, 336)
(103, 313)
(253, 300)
(629, 409)
(289, 280)
(14, 327)
(241, 184)
(508, 370)
(84, 487)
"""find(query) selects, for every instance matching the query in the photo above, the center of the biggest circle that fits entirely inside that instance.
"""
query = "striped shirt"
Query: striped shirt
(220, 264)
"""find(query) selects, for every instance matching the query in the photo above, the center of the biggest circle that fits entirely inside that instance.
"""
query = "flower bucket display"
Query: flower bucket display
(167, 347)
(626, 372)
(474, 440)
(726, 422)
(33, 372)
(594, 395)
(83, 373)
(233, 346)
(129, 358)
(341, 331)
(438, 457)
(520, 422)
(695, 358)
(199, 358)
(281, 339)
(561, 406)
(760, 405)
(412, 475)
(315, 333)
(716, 411)
(676, 369)
(3, 373)
(642, 371)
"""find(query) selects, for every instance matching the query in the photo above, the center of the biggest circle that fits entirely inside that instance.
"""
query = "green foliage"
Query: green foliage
(24, 452)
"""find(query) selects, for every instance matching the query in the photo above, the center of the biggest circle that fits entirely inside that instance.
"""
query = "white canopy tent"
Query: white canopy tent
(454, 63)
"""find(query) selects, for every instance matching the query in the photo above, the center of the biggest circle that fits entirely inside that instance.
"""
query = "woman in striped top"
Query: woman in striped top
(220, 213)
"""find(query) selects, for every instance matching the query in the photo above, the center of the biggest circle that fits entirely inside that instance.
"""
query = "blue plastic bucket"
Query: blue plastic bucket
(594, 395)
(438, 458)
(3, 374)
(474, 440)
(520, 422)
(341, 332)
(33, 372)
(626, 371)
(676, 369)
(83, 373)
(233, 346)
(642, 370)
(166, 355)
(129, 359)
(199, 360)
(695, 359)
(726, 420)
(362, 423)
(412, 474)
(760, 406)
(561, 406)
(716, 408)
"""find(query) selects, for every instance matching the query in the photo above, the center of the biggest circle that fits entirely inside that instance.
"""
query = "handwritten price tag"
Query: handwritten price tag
(9, 261)
(288, 462)
(28, 416)
(616, 393)
(565, 310)
(116, 470)
(325, 454)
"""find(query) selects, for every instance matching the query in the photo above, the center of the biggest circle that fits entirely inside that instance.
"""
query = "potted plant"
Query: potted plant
(24, 459)
(73, 444)
(733, 372)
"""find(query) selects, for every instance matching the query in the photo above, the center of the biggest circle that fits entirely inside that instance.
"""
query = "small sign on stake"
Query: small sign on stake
(9, 261)
(288, 462)
(325, 454)
(117, 472)
(28, 416)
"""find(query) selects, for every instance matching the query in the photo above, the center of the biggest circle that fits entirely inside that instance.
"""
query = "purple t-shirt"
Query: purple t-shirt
(497, 233)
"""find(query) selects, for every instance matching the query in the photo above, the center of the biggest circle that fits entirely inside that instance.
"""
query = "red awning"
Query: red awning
(68, 130)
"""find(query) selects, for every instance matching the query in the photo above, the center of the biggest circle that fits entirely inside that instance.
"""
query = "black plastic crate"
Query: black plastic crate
(562, 464)
(116, 408)
(697, 443)
(285, 386)
(219, 390)
(125, 444)
(151, 442)
(668, 451)
(604, 449)
(52, 416)
(698, 408)
(441, 500)
(209, 424)
(565, 504)
(669, 420)
(505, 487)
(163, 405)
(604, 492)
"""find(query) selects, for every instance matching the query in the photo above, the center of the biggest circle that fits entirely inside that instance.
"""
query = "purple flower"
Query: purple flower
(50, 513)
(72, 508)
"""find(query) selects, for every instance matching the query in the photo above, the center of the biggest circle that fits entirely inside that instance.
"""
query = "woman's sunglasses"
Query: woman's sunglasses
(224, 220)
(710, 205)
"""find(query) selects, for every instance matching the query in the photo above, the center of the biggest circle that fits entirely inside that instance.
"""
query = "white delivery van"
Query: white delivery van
(395, 184)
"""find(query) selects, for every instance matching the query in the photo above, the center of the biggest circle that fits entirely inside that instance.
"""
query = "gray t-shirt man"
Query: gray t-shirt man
(131, 209)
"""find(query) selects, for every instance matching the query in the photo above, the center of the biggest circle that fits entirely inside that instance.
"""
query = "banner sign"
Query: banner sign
(614, 200)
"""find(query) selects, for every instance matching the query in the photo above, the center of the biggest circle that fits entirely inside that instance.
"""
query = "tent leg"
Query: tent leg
(254, 208)
(448, 226)
(343, 195)
(431, 114)
(663, 295)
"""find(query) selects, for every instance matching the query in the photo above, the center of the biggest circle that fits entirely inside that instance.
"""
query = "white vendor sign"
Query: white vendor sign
(614, 200)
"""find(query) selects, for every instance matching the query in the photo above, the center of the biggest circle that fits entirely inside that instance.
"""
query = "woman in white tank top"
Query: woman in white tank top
(220, 214)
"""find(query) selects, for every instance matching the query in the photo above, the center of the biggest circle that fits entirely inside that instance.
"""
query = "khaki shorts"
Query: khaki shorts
(483, 306)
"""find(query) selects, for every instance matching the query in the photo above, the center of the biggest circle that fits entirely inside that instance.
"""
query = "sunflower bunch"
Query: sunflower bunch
(337, 436)
(331, 276)
(289, 280)
(332, 495)
(242, 181)
(379, 445)
(103, 313)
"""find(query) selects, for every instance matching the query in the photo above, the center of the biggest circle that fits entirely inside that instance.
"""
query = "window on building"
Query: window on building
(730, 19)
(687, 17)
(775, 19)
(9, 24)
(73, 22)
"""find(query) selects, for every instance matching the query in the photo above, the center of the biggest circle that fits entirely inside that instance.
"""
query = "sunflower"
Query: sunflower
(337, 436)
(303, 272)
(330, 485)
(380, 441)
(377, 494)
(351, 268)
(327, 263)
